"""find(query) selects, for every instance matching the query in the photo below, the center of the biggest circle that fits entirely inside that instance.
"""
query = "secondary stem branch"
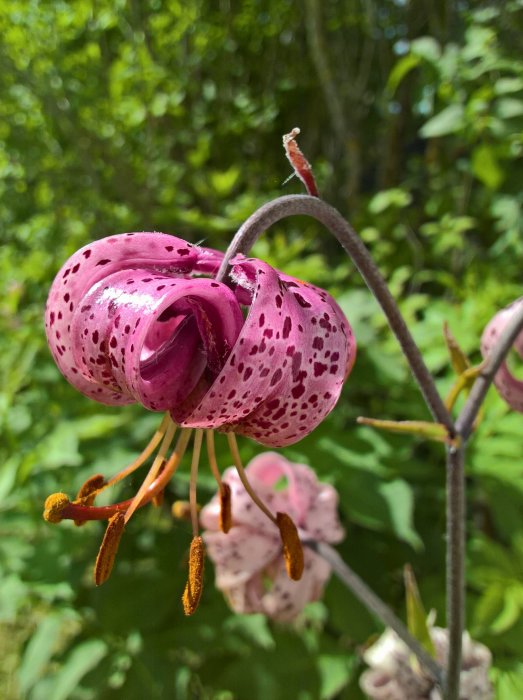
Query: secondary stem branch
(470, 410)
(373, 603)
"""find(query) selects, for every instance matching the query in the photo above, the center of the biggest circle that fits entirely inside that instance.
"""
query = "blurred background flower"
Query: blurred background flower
(395, 675)
(248, 560)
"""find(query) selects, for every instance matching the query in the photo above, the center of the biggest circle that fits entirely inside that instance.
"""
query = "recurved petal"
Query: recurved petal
(239, 554)
(321, 520)
(509, 387)
(275, 595)
(146, 254)
(287, 368)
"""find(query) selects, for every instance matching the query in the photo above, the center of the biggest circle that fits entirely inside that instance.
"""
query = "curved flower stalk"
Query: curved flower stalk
(248, 562)
(139, 317)
(395, 675)
(509, 387)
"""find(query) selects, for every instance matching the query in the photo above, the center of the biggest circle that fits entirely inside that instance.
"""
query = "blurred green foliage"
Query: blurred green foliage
(125, 115)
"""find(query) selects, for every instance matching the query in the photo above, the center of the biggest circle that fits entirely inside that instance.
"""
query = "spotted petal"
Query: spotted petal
(125, 322)
(287, 368)
(136, 317)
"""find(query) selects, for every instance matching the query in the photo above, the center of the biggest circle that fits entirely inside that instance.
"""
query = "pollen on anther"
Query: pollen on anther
(292, 547)
(194, 586)
(108, 548)
(225, 507)
(54, 506)
(88, 492)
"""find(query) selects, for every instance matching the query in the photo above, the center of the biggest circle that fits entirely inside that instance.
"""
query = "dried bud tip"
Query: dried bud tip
(292, 547)
(291, 135)
(108, 548)
(54, 506)
(225, 507)
(194, 586)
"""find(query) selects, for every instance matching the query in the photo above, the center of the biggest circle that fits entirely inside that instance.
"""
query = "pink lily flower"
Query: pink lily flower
(248, 563)
(130, 318)
(138, 317)
(509, 387)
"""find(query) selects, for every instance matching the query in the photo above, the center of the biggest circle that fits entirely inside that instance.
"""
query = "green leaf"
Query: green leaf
(416, 615)
(485, 166)
(400, 70)
(394, 197)
(255, 628)
(426, 47)
(335, 673)
(503, 86)
(223, 181)
(509, 107)
(82, 659)
(40, 650)
(400, 499)
(448, 121)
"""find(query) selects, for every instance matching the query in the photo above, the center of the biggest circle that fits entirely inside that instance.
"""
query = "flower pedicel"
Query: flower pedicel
(138, 317)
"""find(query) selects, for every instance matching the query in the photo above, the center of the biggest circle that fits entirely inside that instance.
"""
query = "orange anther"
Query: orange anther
(194, 586)
(225, 507)
(88, 492)
(292, 548)
(108, 548)
(54, 506)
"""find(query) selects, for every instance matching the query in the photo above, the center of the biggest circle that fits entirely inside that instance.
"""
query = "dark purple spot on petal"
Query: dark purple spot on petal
(319, 369)
(301, 301)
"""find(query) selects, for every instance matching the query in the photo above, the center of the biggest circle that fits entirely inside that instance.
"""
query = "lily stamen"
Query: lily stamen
(154, 471)
(292, 548)
(224, 489)
(194, 586)
(88, 492)
(143, 456)
(235, 453)
(108, 549)
(195, 462)
(58, 506)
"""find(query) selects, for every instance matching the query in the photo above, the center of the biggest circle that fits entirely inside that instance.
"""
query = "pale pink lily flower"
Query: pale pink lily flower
(248, 560)
(395, 675)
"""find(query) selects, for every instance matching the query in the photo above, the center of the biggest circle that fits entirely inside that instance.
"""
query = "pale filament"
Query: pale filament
(198, 435)
(145, 454)
(233, 445)
(157, 464)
